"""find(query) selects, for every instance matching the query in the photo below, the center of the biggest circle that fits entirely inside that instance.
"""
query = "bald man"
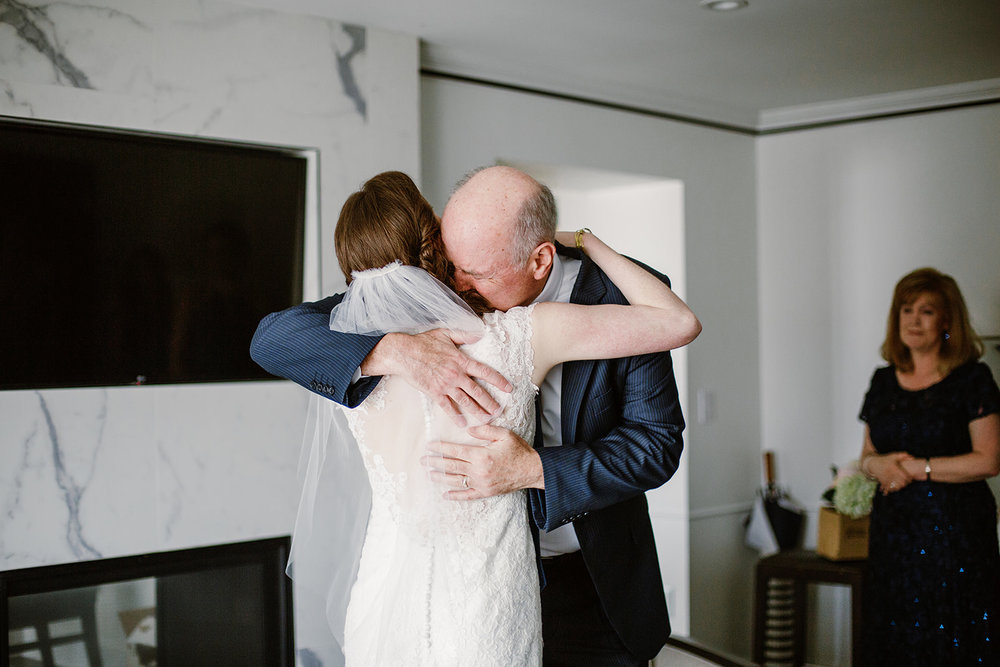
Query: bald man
(609, 429)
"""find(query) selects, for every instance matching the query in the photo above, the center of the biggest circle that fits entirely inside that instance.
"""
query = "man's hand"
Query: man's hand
(432, 363)
(504, 463)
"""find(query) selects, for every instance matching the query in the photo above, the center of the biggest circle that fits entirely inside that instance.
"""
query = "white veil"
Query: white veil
(336, 496)
(400, 298)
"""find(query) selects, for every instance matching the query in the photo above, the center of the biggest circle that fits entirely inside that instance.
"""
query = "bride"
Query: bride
(442, 582)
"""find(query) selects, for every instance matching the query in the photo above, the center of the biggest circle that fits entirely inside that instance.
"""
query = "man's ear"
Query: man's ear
(541, 260)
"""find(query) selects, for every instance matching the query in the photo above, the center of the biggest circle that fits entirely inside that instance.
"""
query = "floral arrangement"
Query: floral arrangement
(851, 492)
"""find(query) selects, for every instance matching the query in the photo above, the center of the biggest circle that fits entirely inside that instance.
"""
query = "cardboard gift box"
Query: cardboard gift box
(841, 537)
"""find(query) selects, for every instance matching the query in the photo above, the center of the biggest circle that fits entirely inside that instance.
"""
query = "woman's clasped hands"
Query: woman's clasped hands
(888, 470)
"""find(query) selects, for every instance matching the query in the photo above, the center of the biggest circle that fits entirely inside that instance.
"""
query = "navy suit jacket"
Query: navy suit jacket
(621, 427)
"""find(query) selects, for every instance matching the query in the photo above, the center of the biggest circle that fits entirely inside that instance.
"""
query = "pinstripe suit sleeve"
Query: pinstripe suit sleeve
(297, 344)
(627, 443)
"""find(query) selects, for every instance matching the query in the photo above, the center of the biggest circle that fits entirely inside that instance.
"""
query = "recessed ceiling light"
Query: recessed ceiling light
(724, 5)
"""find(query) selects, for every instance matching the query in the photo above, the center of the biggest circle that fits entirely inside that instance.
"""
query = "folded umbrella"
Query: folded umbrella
(775, 521)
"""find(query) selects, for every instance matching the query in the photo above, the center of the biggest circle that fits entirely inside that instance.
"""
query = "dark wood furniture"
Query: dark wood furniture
(780, 603)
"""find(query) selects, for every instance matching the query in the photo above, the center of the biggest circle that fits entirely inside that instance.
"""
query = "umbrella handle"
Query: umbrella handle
(769, 468)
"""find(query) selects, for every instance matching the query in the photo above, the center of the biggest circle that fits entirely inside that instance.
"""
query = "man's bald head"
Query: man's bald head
(494, 225)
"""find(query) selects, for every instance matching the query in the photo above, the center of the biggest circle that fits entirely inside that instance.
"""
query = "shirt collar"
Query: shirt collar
(551, 290)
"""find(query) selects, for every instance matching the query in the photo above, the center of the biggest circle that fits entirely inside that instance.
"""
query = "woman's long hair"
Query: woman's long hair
(959, 345)
(388, 220)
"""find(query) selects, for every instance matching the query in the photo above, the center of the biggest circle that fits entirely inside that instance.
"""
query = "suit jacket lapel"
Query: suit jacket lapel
(588, 290)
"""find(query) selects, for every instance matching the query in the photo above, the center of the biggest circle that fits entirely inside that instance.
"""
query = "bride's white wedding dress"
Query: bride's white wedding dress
(444, 582)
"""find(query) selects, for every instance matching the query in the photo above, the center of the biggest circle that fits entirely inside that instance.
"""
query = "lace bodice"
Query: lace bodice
(444, 582)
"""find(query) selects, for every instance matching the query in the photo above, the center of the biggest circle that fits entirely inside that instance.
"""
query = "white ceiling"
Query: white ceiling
(773, 65)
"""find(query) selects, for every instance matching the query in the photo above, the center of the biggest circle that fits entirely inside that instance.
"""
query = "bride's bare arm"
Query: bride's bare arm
(655, 320)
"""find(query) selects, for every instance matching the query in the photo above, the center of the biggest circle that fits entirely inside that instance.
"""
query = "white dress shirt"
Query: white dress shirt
(559, 287)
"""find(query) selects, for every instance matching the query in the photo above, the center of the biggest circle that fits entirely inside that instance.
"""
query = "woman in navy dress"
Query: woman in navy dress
(932, 438)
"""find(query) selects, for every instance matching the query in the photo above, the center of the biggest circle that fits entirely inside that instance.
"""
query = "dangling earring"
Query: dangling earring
(947, 335)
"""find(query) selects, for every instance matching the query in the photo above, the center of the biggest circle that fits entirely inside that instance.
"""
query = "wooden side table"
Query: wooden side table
(780, 603)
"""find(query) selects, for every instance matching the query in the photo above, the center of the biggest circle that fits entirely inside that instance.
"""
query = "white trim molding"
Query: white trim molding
(858, 108)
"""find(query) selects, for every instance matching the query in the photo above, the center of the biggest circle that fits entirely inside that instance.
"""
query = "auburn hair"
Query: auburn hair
(961, 344)
(388, 220)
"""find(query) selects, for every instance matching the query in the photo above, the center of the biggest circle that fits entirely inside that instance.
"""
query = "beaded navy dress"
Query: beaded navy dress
(932, 592)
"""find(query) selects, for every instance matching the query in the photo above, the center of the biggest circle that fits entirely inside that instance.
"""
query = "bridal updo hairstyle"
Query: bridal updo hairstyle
(388, 220)
(961, 344)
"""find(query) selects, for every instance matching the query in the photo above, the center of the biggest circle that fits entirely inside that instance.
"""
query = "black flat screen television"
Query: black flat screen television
(130, 258)
(228, 604)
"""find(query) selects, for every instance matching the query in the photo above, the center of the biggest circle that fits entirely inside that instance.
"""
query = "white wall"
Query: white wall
(93, 473)
(467, 125)
(844, 212)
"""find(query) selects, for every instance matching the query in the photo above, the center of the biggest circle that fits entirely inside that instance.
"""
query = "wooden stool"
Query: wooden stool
(780, 603)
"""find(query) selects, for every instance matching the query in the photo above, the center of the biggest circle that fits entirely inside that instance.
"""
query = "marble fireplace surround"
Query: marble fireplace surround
(96, 473)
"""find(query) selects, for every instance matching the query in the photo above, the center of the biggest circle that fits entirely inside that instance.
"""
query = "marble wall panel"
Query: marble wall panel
(75, 485)
(101, 472)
